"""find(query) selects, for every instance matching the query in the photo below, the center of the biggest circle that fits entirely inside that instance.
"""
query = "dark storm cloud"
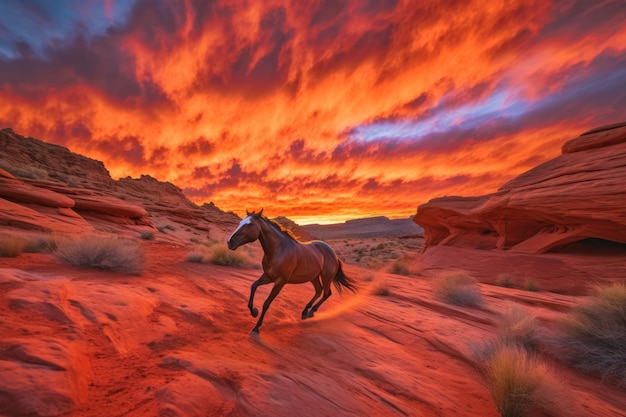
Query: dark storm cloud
(200, 146)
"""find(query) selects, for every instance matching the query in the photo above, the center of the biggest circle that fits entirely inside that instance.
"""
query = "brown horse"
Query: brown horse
(288, 261)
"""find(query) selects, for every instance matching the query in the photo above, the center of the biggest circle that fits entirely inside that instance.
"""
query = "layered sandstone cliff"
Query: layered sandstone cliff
(577, 196)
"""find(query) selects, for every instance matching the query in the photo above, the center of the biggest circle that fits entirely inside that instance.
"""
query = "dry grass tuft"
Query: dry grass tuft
(219, 254)
(457, 288)
(101, 252)
(42, 244)
(596, 332)
(505, 280)
(11, 246)
(520, 384)
(531, 284)
(517, 326)
(400, 267)
(381, 289)
(196, 257)
(147, 235)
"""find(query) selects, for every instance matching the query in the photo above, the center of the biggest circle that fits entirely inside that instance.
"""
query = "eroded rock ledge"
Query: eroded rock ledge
(576, 196)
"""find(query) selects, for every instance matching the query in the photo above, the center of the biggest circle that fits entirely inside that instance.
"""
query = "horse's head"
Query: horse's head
(249, 230)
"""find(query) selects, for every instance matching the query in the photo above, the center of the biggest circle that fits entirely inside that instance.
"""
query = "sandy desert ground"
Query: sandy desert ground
(174, 341)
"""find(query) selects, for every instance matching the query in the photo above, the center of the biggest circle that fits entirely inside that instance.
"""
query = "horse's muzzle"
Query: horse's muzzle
(231, 245)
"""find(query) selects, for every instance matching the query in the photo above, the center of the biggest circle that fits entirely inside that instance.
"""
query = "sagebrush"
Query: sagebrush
(517, 326)
(103, 252)
(520, 383)
(218, 254)
(381, 289)
(595, 332)
(457, 288)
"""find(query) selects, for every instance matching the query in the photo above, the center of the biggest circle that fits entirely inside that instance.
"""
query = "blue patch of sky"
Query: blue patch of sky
(40, 22)
(502, 103)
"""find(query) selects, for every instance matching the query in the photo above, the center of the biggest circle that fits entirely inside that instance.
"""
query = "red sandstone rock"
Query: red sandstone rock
(44, 219)
(578, 195)
(16, 190)
(48, 181)
(108, 205)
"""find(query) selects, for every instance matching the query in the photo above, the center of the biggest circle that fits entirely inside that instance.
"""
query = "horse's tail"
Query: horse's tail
(341, 280)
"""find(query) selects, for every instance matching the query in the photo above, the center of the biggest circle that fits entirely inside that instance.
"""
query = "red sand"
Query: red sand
(174, 341)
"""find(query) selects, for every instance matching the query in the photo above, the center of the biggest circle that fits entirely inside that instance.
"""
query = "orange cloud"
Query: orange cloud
(324, 109)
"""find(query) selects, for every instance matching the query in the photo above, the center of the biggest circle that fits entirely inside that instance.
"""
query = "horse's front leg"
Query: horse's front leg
(278, 285)
(264, 279)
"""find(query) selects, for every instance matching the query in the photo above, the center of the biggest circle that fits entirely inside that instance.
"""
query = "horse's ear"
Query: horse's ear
(261, 212)
(247, 212)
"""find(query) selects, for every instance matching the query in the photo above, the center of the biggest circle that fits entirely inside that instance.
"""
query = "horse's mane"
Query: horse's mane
(280, 228)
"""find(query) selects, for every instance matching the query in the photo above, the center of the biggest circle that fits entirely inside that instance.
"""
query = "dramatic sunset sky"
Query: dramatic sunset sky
(316, 110)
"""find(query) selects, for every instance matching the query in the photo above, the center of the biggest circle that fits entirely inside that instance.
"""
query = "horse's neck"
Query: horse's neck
(272, 239)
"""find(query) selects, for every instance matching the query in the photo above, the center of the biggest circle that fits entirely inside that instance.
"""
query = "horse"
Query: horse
(288, 261)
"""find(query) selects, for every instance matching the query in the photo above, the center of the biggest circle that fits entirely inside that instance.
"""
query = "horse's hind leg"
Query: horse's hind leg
(264, 279)
(318, 291)
(327, 293)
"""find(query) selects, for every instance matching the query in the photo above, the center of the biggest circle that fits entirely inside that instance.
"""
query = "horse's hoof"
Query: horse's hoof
(311, 314)
(254, 312)
(305, 315)
(254, 331)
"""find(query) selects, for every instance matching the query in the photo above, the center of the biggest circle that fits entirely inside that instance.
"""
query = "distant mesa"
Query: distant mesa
(576, 201)
(370, 227)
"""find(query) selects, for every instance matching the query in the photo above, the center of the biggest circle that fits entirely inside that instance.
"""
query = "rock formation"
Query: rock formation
(577, 196)
(48, 188)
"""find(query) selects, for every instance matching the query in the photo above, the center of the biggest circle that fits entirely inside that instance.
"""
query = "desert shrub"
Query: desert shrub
(219, 254)
(196, 257)
(11, 246)
(504, 280)
(41, 244)
(531, 284)
(596, 332)
(521, 384)
(147, 235)
(381, 289)
(101, 252)
(517, 326)
(457, 288)
(400, 268)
